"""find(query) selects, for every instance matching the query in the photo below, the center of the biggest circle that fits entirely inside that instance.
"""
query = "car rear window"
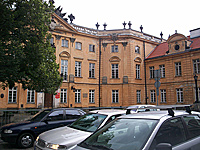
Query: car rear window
(89, 122)
(72, 114)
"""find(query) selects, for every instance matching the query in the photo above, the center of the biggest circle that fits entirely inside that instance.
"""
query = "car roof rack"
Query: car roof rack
(163, 107)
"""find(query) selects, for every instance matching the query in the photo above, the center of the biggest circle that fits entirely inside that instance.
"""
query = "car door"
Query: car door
(172, 131)
(192, 123)
(52, 120)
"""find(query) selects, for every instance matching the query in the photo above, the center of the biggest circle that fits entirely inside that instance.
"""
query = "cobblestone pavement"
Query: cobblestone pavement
(6, 146)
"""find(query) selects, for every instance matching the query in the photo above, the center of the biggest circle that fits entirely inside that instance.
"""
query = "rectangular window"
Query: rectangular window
(137, 71)
(196, 66)
(162, 71)
(178, 69)
(153, 96)
(63, 96)
(138, 92)
(91, 96)
(77, 69)
(91, 48)
(179, 95)
(78, 96)
(12, 96)
(30, 96)
(163, 95)
(151, 72)
(114, 48)
(115, 71)
(64, 69)
(91, 70)
(65, 43)
(115, 96)
(78, 46)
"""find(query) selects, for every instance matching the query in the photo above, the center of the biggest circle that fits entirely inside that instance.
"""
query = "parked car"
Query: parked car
(24, 133)
(141, 108)
(152, 130)
(66, 137)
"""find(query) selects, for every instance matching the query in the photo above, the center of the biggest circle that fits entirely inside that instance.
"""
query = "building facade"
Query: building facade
(113, 68)
(178, 62)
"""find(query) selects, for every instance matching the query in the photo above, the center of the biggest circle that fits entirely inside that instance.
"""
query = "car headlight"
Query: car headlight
(8, 131)
(56, 146)
(37, 139)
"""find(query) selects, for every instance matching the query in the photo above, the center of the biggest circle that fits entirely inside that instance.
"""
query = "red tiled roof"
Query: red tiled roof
(195, 43)
(161, 49)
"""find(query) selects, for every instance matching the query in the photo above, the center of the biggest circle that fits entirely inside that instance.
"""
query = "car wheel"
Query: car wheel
(25, 140)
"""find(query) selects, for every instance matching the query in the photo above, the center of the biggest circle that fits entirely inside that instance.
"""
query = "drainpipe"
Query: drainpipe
(145, 76)
(99, 72)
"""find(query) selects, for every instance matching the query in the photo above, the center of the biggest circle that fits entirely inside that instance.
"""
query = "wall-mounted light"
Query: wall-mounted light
(73, 88)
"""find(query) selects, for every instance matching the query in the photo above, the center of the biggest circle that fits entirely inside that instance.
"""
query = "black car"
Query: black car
(24, 133)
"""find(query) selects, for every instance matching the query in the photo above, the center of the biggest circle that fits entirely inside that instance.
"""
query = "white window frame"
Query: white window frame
(63, 95)
(153, 96)
(64, 69)
(12, 95)
(115, 71)
(91, 48)
(30, 96)
(114, 48)
(78, 45)
(137, 71)
(162, 71)
(138, 96)
(91, 96)
(151, 69)
(65, 43)
(163, 96)
(179, 95)
(115, 96)
(77, 69)
(178, 68)
(77, 96)
(196, 66)
(91, 70)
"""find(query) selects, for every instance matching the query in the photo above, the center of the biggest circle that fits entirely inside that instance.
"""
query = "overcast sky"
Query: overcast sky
(154, 15)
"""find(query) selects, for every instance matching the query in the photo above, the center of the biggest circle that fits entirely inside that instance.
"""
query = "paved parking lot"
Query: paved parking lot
(6, 146)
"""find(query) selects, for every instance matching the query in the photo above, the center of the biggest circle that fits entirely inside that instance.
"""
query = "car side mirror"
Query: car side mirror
(164, 146)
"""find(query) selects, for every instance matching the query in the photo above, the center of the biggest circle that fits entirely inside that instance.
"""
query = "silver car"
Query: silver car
(68, 136)
(153, 130)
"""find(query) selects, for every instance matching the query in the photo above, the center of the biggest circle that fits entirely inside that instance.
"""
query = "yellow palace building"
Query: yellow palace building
(114, 68)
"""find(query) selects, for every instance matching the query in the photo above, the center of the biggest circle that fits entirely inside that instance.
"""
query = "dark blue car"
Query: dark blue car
(24, 133)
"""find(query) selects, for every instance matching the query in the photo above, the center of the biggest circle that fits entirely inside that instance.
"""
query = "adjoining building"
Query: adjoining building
(113, 68)
(178, 61)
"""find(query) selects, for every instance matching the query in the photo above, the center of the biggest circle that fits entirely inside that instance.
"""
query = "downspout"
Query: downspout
(99, 72)
(145, 76)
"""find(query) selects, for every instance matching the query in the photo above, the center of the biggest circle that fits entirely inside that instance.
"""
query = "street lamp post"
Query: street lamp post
(197, 96)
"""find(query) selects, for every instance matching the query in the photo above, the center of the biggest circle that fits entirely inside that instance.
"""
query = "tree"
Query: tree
(26, 55)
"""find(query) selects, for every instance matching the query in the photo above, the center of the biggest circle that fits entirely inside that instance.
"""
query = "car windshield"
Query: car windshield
(128, 134)
(89, 122)
(37, 117)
